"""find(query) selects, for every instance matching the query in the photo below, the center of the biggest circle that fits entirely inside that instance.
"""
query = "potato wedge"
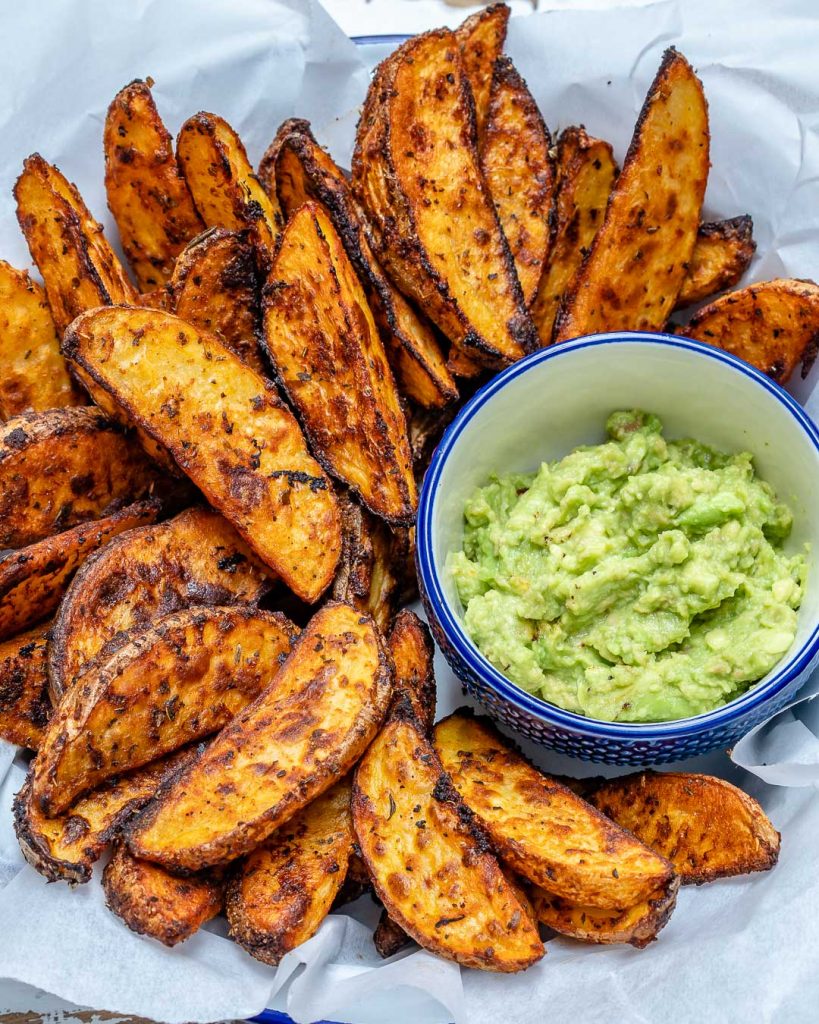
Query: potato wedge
(62, 467)
(33, 579)
(153, 902)
(66, 848)
(321, 338)
(416, 173)
(705, 826)
(639, 257)
(638, 925)
(722, 254)
(227, 430)
(168, 684)
(389, 938)
(519, 170)
(79, 268)
(196, 558)
(304, 732)
(430, 866)
(586, 171)
(33, 374)
(774, 326)
(299, 169)
(147, 193)
(215, 288)
(280, 893)
(460, 364)
(480, 39)
(541, 829)
(412, 651)
(24, 703)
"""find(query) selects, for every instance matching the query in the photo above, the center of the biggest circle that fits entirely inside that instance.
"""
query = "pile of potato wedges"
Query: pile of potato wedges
(209, 470)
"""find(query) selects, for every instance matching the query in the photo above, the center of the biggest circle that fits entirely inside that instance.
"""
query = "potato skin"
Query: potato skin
(706, 827)
(412, 650)
(722, 254)
(226, 429)
(389, 938)
(24, 702)
(480, 39)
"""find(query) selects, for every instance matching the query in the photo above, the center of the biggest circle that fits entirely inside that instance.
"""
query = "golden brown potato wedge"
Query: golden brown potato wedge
(78, 266)
(412, 652)
(638, 260)
(321, 338)
(586, 172)
(430, 866)
(299, 169)
(33, 374)
(227, 430)
(460, 364)
(480, 39)
(153, 902)
(722, 253)
(33, 579)
(196, 558)
(417, 174)
(541, 829)
(773, 325)
(147, 193)
(705, 826)
(280, 893)
(305, 731)
(168, 684)
(520, 173)
(24, 703)
(215, 288)
(66, 847)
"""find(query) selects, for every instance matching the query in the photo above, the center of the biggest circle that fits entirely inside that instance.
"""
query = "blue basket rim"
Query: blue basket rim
(482, 668)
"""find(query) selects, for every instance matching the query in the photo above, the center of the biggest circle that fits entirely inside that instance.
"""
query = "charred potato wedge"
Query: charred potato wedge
(706, 827)
(389, 938)
(722, 253)
(226, 429)
(33, 579)
(24, 703)
(305, 731)
(321, 338)
(417, 174)
(520, 173)
(540, 828)
(639, 257)
(774, 326)
(280, 893)
(147, 193)
(480, 39)
(412, 651)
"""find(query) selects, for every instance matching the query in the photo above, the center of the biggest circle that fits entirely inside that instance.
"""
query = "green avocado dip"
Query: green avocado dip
(640, 580)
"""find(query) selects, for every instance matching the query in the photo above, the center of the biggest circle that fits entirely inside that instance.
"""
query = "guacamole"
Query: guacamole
(640, 580)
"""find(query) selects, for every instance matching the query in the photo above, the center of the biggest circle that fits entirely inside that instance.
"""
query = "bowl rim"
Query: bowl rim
(481, 666)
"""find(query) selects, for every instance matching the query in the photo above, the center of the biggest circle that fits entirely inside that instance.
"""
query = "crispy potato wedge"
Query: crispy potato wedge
(480, 39)
(416, 173)
(586, 172)
(430, 866)
(705, 826)
(299, 169)
(215, 288)
(153, 902)
(62, 467)
(412, 651)
(638, 925)
(321, 338)
(24, 702)
(147, 193)
(460, 364)
(33, 579)
(283, 890)
(66, 848)
(196, 558)
(540, 828)
(305, 731)
(227, 430)
(168, 684)
(389, 938)
(638, 260)
(774, 326)
(722, 254)
(520, 173)
(226, 192)
(79, 268)
(33, 374)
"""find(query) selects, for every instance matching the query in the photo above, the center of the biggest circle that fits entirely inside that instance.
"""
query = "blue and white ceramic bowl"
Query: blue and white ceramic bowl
(540, 409)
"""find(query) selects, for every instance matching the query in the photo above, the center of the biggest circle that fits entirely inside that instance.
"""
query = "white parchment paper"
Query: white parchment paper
(737, 951)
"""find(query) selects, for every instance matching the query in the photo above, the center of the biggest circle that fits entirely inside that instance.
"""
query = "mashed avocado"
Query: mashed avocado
(639, 580)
